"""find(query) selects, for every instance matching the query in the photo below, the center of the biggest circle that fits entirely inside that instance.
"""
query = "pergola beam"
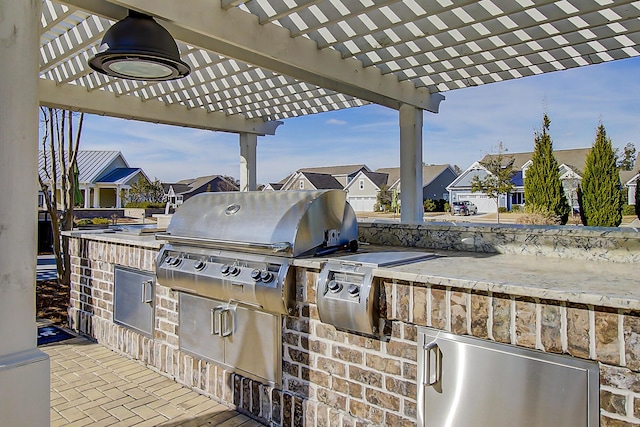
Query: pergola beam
(101, 102)
(239, 35)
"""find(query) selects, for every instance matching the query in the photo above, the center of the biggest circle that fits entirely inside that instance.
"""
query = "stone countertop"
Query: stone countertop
(598, 283)
(147, 240)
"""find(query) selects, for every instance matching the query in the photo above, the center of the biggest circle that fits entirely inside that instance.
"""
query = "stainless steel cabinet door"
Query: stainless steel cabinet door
(199, 333)
(134, 295)
(254, 345)
(467, 382)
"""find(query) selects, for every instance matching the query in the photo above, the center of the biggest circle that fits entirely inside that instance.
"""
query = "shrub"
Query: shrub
(144, 205)
(446, 207)
(429, 205)
(101, 221)
(628, 210)
(502, 209)
(536, 215)
(84, 221)
(517, 208)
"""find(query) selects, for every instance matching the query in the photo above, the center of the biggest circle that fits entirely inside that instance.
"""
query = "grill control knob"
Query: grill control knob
(255, 274)
(266, 276)
(334, 286)
(225, 269)
(199, 265)
(168, 260)
(234, 270)
(176, 261)
(354, 290)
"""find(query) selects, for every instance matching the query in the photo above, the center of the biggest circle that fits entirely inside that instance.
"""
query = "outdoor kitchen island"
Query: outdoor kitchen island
(560, 302)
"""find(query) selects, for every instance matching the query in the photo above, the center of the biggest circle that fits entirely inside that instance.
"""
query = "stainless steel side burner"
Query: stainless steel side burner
(346, 295)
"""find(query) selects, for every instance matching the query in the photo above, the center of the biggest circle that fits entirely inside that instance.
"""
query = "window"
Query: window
(301, 184)
(361, 184)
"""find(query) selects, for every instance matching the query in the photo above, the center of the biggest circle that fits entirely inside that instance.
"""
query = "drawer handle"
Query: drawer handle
(432, 377)
(147, 284)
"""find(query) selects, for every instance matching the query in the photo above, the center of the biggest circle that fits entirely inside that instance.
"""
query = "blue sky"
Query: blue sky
(470, 124)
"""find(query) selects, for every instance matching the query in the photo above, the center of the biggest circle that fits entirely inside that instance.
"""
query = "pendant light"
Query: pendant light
(138, 48)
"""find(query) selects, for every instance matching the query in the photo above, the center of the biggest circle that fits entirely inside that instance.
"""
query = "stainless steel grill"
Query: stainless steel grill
(237, 246)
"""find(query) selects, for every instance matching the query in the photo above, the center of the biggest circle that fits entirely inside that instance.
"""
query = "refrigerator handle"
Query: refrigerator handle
(432, 376)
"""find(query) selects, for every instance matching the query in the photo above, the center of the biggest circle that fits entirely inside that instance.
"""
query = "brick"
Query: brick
(636, 407)
(458, 306)
(611, 422)
(403, 299)
(386, 300)
(365, 376)
(401, 349)
(350, 388)
(480, 315)
(365, 411)
(399, 387)
(578, 331)
(551, 327)
(318, 347)
(620, 378)
(613, 403)
(606, 337)
(409, 371)
(501, 330)
(631, 330)
(347, 354)
(331, 366)
(439, 308)
(420, 306)
(382, 399)
(526, 323)
(364, 342)
(383, 364)
(319, 378)
(332, 399)
(398, 421)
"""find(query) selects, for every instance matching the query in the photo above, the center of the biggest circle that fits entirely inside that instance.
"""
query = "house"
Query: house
(344, 174)
(104, 177)
(176, 193)
(435, 179)
(362, 190)
(311, 181)
(629, 181)
(273, 186)
(570, 162)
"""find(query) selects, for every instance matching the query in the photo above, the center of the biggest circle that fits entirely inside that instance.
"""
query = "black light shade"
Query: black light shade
(138, 48)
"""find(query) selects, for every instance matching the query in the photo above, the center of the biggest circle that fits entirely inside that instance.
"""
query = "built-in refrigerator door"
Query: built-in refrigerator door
(468, 382)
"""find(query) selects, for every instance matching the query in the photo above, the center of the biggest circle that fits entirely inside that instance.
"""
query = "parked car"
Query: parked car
(463, 207)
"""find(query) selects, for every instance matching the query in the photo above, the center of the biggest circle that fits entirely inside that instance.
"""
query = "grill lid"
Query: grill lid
(288, 223)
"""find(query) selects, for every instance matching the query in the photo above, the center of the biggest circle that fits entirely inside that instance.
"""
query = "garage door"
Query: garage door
(362, 204)
(483, 202)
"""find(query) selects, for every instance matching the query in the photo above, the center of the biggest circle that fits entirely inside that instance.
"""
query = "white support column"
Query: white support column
(118, 201)
(24, 369)
(96, 197)
(411, 164)
(86, 195)
(248, 144)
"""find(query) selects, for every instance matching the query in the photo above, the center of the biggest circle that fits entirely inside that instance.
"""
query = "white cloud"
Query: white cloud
(336, 122)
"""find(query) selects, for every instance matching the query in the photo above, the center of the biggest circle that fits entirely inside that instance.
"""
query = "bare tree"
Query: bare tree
(498, 179)
(60, 187)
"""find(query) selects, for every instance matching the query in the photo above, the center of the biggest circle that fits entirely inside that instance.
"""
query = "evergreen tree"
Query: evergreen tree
(599, 194)
(543, 189)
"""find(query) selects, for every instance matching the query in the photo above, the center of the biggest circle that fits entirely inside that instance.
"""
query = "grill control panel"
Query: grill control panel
(263, 282)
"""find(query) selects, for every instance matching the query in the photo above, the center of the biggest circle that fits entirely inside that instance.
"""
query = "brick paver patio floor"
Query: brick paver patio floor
(94, 386)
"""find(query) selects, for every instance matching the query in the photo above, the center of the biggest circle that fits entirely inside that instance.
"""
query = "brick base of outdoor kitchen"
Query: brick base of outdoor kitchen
(335, 378)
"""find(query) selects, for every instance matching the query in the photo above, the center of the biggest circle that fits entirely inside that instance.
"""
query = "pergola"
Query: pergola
(255, 63)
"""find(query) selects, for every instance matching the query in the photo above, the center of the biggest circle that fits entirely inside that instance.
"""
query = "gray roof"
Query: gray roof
(336, 170)
(574, 158)
(189, 185)
(91, 164)
(378, 178)
(429, 173)
(323, 181)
